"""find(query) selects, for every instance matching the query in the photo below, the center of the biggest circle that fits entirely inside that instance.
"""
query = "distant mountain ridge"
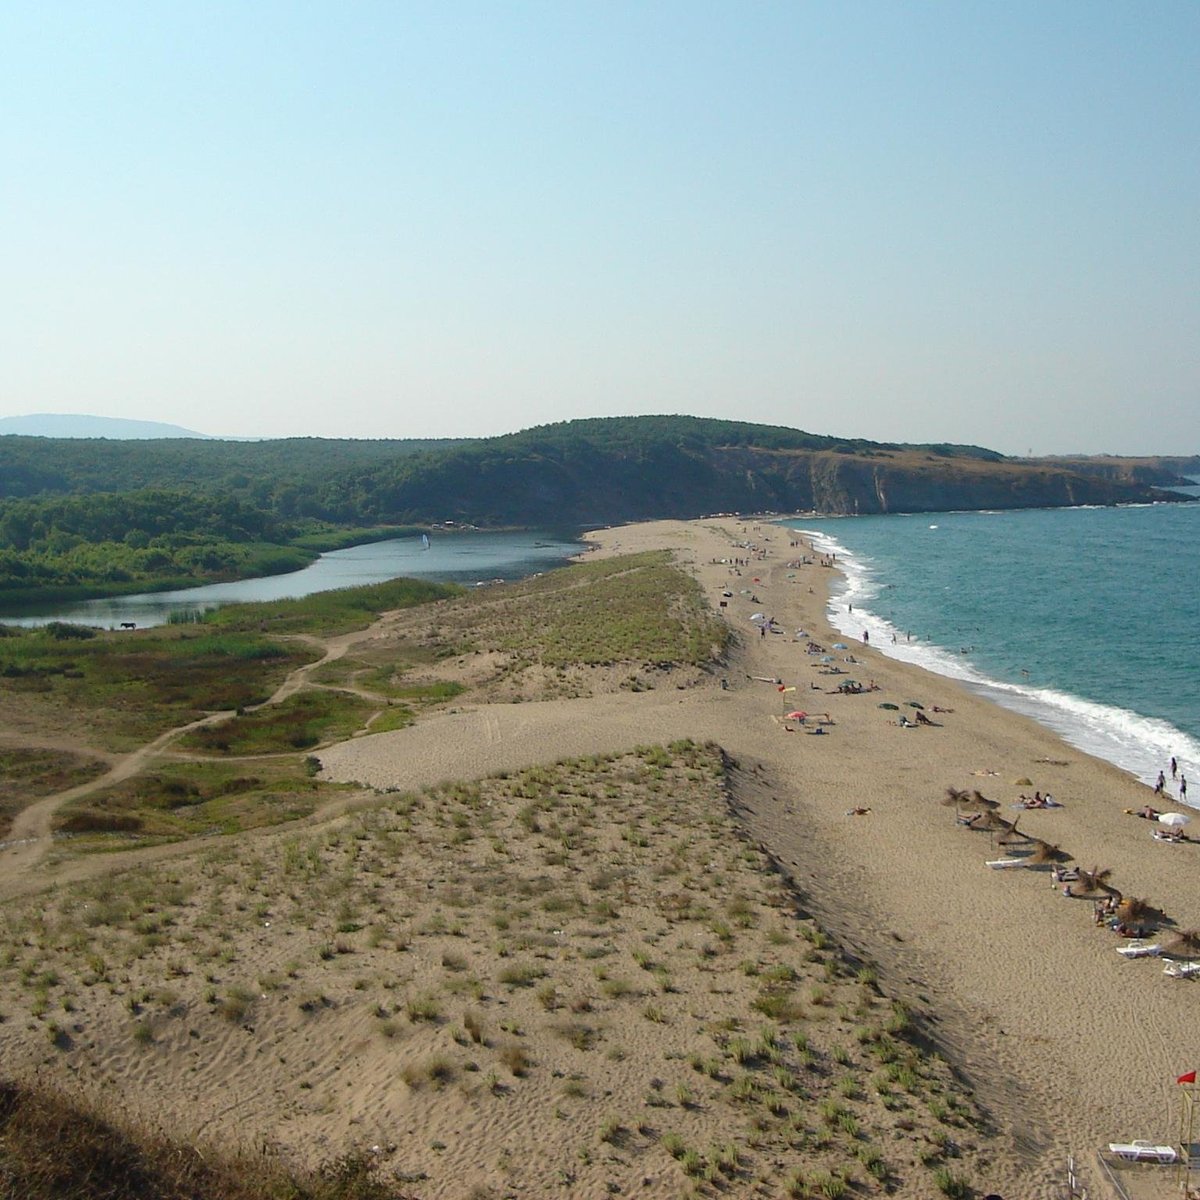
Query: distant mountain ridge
(80, 425)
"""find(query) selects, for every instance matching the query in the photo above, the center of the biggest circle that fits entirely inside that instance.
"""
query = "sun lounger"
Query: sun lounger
(1182, 970)
(1001, 864)
(1143, 1152)
(1139, 948)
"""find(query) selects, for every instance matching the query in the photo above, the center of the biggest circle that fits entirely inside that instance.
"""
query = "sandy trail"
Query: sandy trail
(29, 840)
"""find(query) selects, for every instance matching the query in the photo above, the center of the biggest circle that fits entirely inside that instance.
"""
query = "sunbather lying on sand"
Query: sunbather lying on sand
(1148, 813)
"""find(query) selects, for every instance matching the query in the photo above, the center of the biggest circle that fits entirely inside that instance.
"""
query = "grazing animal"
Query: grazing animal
(128, 625)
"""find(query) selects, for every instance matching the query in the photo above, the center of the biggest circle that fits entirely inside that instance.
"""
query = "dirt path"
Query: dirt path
(30, 838)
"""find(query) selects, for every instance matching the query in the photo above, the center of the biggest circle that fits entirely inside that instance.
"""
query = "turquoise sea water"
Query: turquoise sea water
(1086, 619)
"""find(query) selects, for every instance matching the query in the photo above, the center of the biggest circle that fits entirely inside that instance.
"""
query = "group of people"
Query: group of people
(1037, 800)
(1177, 776)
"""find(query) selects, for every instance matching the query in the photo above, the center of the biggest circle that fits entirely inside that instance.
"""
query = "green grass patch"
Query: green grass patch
(300, 722)
(340, 611)
(191, 799)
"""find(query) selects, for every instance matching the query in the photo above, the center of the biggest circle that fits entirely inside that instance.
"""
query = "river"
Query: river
(467, 558)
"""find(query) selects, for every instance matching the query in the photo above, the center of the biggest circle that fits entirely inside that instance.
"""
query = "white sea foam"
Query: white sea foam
(1135, 743)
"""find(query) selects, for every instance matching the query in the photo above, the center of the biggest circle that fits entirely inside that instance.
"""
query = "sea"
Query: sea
(1085, 619)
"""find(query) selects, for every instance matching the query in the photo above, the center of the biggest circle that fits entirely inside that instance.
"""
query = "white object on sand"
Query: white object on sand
(1000, 864)
(1143, 1152)
(1139, 948)
(1182, 970)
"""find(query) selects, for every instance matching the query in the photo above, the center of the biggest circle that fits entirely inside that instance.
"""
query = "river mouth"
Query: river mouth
(468, 558)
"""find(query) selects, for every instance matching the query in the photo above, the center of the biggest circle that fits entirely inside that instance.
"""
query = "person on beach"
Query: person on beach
(866, 638)
(1160, 784)
(1174, 767)
(1183, 787)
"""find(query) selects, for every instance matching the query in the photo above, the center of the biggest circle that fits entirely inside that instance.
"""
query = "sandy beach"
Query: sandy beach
(1064, 1044)
(1071, 1045)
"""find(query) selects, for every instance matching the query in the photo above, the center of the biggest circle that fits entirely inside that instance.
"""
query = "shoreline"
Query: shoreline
(1092, 1046)
(1129, 739)
(182, 592)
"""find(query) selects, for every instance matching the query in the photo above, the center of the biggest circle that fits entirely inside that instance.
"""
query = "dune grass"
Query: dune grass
(630, 609)
(493, 938)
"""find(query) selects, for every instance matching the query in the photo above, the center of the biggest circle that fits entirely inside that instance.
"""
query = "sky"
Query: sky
(951, 222)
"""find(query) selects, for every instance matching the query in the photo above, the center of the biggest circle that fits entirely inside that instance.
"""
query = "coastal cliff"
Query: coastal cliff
(592, 472)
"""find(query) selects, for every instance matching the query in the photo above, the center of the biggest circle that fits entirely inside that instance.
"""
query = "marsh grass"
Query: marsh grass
(190, 799)
(129, 690)
(26, 774)
(300, 722)
(329, 613)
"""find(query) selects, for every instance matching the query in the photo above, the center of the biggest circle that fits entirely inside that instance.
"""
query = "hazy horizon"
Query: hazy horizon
(906, 222)
(8, 425)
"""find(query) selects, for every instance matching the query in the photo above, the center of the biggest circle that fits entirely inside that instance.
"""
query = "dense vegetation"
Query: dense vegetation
(88, 516)
(56, 1147)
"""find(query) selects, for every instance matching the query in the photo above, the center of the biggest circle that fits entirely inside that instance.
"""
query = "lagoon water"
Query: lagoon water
(1085, 619)
(468, 558)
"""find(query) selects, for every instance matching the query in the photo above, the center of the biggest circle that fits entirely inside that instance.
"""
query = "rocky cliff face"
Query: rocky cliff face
(913, 482)
(1165, 472)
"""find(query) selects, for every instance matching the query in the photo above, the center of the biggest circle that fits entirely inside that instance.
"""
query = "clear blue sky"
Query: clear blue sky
(969, 222)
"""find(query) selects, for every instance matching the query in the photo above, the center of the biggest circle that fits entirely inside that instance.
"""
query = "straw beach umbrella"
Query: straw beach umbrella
(954, 798)
(1093, 884)
(1183, 945)
(990, 820)
(979, 800)
(1134, 911)
(1012, 836)
(1044, 854)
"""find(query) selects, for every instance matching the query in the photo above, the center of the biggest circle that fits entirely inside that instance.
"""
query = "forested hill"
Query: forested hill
(40, 466)
(90, 517)
(579, 472)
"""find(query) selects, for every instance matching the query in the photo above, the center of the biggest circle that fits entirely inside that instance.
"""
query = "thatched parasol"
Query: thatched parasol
(1135, 911)
(1093, 884)
(1044, 854)
(1183, 945)
(1012, 836)
(954, 798)
(979, 800)
(1023, 782)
